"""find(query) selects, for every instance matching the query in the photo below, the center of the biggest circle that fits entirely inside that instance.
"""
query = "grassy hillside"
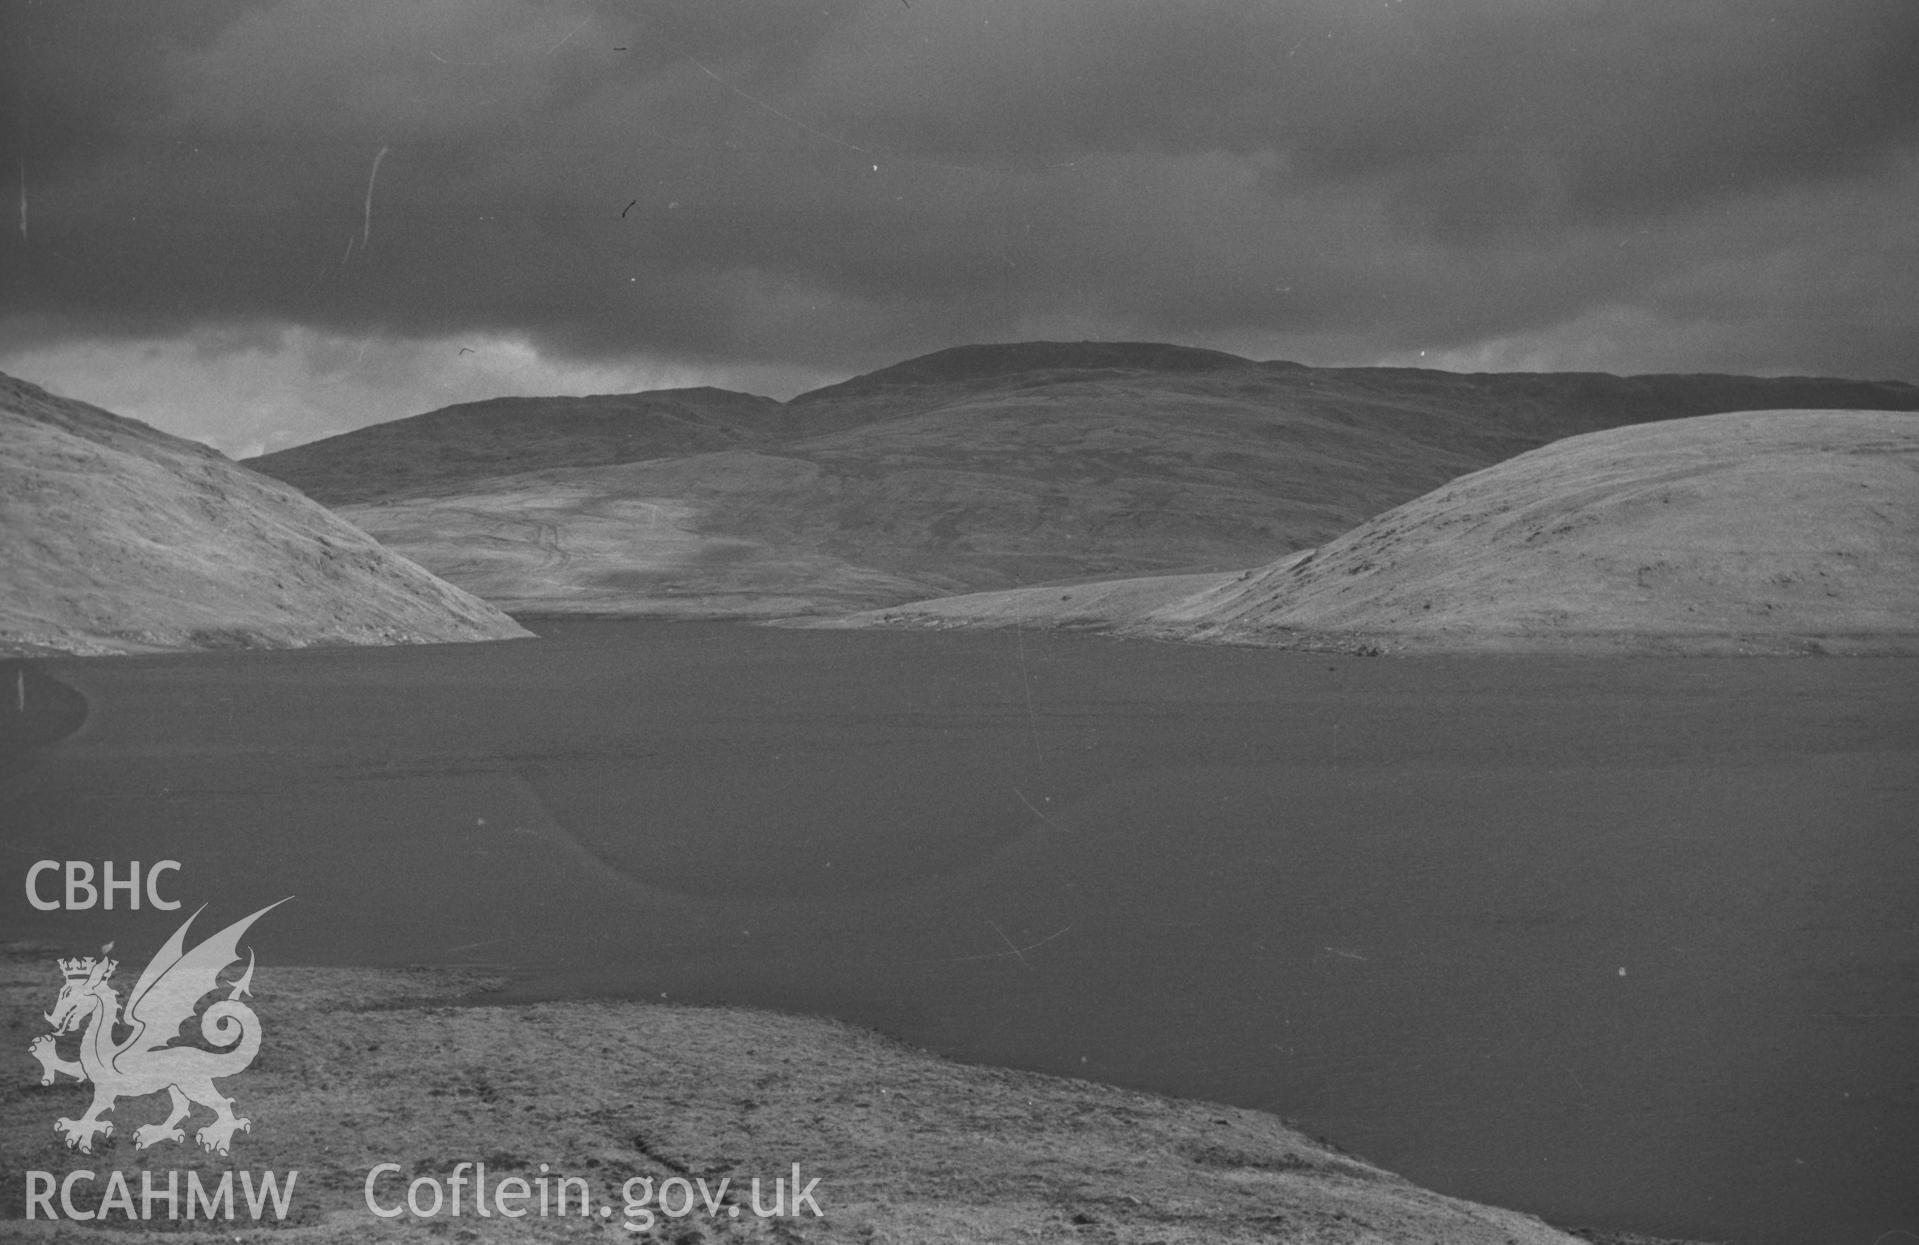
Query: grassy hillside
(115, 537)
(1766, 531)
(974, 468)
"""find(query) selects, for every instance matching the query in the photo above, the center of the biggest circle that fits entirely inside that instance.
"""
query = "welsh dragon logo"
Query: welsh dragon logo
(149, 1059)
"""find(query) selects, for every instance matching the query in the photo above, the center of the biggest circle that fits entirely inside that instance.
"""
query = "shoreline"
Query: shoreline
(418, 1068)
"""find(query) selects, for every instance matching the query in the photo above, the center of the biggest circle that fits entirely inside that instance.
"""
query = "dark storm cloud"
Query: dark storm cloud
(1619, 106)
(841, 184)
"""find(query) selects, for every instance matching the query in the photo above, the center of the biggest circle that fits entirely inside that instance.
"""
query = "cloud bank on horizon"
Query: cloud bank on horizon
(260, 222)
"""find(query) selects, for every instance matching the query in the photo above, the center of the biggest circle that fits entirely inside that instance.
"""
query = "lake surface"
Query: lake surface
(1626, 943)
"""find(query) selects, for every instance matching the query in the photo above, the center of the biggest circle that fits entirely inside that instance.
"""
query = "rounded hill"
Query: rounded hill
(115, 537)
(1759, 531)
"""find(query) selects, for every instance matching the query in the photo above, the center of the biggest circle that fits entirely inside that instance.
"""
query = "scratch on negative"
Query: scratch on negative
(474, 946)
(1026, 686)
(1013, 949)
(366, 234)
(1037, 813)
(569, 34)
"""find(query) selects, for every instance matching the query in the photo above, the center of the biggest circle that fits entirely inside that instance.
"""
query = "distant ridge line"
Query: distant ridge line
(980, 362)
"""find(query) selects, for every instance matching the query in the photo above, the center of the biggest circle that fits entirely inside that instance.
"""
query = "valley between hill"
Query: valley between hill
(977, 468)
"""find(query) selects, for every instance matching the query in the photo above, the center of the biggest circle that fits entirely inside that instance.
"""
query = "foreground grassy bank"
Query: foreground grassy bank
(362, 1068)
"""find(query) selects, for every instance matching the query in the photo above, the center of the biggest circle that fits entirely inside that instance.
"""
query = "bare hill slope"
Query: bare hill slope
(115, 537)
(979, 467)
(1752, 532)
(443, 449)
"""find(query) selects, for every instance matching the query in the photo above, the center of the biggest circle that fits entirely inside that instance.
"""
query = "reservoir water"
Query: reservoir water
(1625, 943)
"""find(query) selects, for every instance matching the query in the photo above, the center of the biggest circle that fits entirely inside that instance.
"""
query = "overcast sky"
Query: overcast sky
(259, 223)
